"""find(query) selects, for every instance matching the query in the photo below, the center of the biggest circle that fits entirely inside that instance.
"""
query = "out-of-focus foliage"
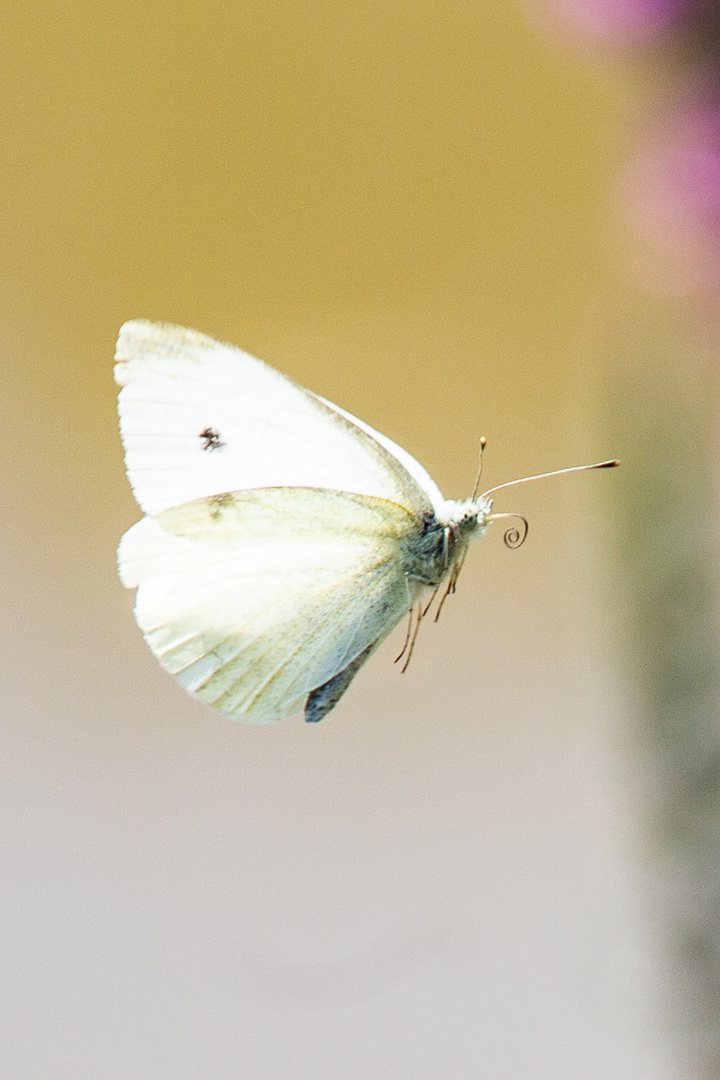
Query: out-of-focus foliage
(662, 359)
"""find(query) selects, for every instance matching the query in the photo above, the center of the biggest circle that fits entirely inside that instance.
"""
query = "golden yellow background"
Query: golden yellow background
(405, 207)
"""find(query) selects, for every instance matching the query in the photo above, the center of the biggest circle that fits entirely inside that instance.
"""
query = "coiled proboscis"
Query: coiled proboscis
(515, 536)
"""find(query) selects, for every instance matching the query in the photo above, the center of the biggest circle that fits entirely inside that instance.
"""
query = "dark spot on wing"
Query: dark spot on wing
(211, 439)
(218, 503)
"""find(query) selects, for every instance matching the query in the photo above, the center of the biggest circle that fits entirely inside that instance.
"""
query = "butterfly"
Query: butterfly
(284, 539)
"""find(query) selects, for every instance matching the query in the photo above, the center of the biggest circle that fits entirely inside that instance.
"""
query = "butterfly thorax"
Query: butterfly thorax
(442, 538)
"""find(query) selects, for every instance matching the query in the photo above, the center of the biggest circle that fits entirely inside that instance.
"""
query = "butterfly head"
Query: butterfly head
(468, 519)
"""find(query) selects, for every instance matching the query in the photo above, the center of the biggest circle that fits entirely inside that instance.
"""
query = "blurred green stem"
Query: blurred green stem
(664, 415)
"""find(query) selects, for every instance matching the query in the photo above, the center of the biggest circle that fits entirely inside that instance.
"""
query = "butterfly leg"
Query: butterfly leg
(411, 612)
(452, 583)
(418, 620)
(430, 601)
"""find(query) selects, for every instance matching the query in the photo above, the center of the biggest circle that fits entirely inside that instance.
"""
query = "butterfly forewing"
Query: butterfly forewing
(200, 418)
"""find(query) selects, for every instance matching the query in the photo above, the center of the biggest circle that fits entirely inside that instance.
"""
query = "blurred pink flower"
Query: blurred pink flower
(611, 21)
(672, 191)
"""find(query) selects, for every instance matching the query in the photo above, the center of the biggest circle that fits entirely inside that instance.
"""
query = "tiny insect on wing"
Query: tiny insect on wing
(283, 540)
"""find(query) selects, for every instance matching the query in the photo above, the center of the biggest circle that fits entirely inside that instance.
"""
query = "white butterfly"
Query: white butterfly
(284, 538)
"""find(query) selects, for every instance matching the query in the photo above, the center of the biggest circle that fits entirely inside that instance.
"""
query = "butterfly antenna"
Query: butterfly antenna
(483, 444)
(555, 472)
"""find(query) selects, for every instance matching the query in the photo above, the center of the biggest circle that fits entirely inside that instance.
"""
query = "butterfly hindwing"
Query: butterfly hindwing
(255, 599)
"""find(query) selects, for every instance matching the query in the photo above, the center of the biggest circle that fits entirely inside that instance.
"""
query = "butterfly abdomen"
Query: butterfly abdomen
(325, 697)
